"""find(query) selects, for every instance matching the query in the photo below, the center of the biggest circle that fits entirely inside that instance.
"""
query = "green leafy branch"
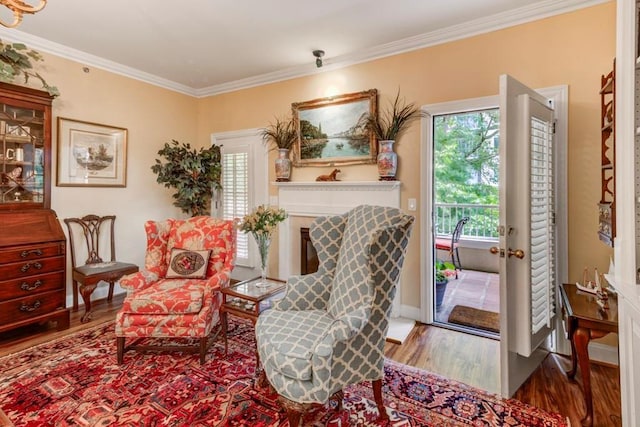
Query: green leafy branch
(16, 59)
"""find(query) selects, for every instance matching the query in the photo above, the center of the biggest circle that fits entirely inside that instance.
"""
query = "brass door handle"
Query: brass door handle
(518, 253)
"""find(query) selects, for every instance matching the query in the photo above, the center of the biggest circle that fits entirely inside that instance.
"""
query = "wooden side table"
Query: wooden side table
(585, 320)
(246, 300)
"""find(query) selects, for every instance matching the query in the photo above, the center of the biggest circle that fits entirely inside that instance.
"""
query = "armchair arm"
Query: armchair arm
(218, 280)
(138, 281)
(343, 329)
(308, 292)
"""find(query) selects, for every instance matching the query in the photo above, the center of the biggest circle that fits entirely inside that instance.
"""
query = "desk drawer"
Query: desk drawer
(26, 286)
(32, 267)
(31, 252)
(24, 308)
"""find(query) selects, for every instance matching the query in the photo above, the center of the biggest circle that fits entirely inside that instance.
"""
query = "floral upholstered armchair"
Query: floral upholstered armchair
(178, 292)
(330, 328)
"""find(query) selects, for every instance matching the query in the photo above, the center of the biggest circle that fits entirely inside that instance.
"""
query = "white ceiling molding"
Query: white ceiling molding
(456, 32)
(87, 59)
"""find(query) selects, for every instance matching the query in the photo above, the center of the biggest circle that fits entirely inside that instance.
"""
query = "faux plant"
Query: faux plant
(444, 270)
(16, 60)
(391, 123)
(280, 134)
(194, 174)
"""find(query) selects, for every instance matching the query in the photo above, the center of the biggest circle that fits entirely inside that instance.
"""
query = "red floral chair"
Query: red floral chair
(178, 292)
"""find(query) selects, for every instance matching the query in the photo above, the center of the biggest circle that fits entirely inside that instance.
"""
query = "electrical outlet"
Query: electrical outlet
(412, 204)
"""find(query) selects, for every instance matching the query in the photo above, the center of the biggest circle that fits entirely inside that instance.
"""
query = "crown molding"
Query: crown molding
(471, 28)
(44, 45)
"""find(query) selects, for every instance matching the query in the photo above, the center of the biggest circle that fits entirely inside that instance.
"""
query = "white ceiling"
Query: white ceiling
(203, 47)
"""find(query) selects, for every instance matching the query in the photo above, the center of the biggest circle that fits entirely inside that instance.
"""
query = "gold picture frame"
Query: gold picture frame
(331, 130)
(91, 154)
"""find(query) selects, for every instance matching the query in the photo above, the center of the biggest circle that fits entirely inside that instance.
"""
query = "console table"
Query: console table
(584, 321)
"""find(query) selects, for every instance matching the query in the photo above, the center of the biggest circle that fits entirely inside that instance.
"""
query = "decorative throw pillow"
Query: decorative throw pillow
(186, 263)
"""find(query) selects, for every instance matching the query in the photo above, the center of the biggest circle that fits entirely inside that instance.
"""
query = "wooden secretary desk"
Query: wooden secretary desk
(32, 243)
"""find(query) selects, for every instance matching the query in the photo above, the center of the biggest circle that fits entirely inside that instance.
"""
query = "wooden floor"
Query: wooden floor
(466, 358)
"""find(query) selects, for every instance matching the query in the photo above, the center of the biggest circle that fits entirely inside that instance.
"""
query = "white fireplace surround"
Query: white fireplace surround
(304, 201)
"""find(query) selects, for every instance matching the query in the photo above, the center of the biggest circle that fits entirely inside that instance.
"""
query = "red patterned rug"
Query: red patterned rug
(75, 381)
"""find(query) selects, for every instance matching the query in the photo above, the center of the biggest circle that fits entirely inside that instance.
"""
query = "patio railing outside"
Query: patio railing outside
(483, 220)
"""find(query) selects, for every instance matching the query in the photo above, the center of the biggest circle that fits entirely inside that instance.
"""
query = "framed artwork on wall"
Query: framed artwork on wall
(91, 154)
(331, 130)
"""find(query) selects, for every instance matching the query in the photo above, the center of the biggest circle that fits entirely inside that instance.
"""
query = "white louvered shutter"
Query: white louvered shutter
(543, 298)
(235, 193)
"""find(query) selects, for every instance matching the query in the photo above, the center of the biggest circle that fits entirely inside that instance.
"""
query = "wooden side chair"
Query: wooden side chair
(451, 245)
(93, 236)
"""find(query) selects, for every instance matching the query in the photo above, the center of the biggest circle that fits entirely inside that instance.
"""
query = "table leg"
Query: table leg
(574, 359)
(581, 340)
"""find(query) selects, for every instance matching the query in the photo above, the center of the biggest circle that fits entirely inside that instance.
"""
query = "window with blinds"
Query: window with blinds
(235, 193)
(542, 226)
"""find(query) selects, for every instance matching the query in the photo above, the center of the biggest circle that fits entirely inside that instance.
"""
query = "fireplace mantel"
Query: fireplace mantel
(336, 197)
(312, 199)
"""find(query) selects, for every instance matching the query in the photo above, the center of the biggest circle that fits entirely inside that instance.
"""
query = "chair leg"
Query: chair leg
(120, 349)
(377, 395)
(75, 294)
(338, 397)
(203, 349)
(457, 263)
(294, 410)
(453, 261)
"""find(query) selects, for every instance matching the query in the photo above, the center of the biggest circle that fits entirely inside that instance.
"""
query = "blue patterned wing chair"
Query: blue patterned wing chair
(330, 328)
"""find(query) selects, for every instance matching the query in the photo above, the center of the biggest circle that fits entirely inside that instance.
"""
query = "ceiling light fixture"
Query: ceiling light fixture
(19, 8)
(318, 54)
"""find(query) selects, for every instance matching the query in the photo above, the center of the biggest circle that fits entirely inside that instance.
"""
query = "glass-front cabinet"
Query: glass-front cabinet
(25, 148)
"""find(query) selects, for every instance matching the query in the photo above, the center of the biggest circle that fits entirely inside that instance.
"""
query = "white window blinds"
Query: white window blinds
(542, 226)
(235, 193)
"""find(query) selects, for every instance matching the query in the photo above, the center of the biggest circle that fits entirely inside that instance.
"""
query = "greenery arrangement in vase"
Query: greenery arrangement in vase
(387, 126)
(262, 223)
(281, 135)
(16, 61)
(194, 174)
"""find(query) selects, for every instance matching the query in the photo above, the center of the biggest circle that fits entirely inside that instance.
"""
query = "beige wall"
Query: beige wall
(572, 49)
(152, 116)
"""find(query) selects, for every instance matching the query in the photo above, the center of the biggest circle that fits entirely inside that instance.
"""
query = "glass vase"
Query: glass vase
(263, 241)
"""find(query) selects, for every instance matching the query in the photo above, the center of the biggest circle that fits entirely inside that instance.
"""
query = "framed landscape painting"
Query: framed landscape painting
(331, 130)
(91, 154)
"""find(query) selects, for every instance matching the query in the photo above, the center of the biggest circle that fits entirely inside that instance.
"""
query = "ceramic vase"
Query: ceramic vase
(441, 289)
(283, 165)
(387, 161)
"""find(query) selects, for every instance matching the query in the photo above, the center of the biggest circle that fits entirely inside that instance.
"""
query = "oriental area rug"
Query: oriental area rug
(75, 381)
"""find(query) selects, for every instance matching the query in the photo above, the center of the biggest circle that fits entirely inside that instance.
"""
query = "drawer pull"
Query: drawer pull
(27, 287)
(28, 308)
(27, 266)
(36, 252)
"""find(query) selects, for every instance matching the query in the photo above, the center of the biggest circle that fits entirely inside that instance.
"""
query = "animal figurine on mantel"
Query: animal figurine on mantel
(330, 177)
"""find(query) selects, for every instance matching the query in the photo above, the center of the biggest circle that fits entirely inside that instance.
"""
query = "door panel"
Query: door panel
(525, 126)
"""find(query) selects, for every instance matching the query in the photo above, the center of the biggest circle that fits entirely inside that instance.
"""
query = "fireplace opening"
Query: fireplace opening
(308, 254)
